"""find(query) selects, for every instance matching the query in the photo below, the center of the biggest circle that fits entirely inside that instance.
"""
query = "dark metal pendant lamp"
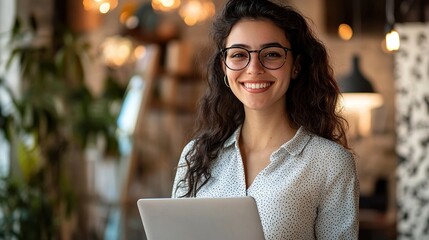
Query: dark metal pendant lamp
(358, 96)
(355, 81)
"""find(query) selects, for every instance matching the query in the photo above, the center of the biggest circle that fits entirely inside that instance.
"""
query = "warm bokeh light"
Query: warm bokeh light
(194, 11)
(116, 50)
(345, 32)
(103, 6)
(190, 12)
(132, 22)
(165, 5)
(209, 10)
(127, 12)
(139, 52)
(392, 41)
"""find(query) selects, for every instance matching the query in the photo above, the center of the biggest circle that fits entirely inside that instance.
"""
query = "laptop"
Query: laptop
(233, 218)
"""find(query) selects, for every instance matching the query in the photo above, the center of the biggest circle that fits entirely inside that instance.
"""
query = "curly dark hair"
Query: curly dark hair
(311, 99)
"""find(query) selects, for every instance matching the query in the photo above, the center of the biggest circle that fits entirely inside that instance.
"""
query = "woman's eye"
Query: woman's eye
(238, 55)
(272, 55)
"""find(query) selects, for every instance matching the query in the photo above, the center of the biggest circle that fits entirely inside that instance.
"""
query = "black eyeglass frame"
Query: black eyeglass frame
(222, 52)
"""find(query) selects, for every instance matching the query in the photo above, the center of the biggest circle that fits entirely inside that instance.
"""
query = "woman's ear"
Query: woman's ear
(296, 69)
(223, 66)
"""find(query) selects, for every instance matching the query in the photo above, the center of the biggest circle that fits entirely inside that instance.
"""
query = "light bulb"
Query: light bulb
(345, 32)
(392, 41)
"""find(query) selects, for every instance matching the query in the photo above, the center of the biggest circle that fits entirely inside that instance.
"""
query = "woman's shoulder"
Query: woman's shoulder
(330, 158)
(322, 144)
(188, 146)
(310, 144)
(330, 153)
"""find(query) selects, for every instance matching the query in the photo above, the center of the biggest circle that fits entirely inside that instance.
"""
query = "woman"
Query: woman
(268, 127)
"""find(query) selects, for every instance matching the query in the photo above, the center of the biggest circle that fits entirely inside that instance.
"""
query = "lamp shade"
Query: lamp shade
(357, 91)
(358, 96)
(355, 81)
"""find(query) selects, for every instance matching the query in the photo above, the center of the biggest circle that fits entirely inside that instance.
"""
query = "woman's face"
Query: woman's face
(256, 86)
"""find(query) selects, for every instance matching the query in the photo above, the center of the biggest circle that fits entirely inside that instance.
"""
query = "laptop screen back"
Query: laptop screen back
(201, 218)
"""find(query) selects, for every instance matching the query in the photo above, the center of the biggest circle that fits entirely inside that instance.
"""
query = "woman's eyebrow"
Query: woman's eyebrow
(271, 44)
(240, 45)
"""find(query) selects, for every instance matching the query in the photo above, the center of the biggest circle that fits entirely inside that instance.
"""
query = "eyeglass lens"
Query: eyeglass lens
(237, 58)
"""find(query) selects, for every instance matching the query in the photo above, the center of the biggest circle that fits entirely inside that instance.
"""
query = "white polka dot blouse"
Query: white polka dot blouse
(308, 191)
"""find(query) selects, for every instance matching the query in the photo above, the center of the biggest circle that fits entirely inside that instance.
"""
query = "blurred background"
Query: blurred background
(97, 100)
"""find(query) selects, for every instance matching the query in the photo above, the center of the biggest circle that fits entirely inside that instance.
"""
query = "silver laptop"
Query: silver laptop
(234, 218)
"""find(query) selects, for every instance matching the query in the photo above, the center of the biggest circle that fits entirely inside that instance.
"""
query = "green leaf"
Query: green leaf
(16, 28)
(12, 56)
(30, 160)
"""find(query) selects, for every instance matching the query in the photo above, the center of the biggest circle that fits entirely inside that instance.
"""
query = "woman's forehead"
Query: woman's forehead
(256, 33)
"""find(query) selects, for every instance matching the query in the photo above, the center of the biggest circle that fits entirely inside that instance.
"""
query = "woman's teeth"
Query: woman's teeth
(256, 85)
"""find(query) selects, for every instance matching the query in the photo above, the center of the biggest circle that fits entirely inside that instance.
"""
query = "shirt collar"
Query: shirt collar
(294, 146)
(233, 138)
(297, 144)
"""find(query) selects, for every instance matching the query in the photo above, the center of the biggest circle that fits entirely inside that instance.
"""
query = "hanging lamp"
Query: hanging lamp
(355, 81)
(355, 86)
(359, 96)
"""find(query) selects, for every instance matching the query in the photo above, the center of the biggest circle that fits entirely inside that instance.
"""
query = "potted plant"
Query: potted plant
(54, 115)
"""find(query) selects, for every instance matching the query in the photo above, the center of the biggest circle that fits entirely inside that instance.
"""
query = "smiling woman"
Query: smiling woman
(268, 127)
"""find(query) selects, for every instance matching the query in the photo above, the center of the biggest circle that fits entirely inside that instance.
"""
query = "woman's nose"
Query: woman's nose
(255, 66)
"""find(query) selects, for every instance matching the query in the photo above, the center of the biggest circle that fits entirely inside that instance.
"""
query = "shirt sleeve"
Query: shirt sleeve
(179, 186)
(338, 212)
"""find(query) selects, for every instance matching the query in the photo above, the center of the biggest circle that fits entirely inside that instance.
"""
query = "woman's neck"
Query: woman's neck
(261, 130)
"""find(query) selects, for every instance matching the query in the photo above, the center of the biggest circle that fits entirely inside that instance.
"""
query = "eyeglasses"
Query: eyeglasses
(271, 57)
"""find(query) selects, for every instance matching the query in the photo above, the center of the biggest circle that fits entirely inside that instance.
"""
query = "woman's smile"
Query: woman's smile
(256, 87)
